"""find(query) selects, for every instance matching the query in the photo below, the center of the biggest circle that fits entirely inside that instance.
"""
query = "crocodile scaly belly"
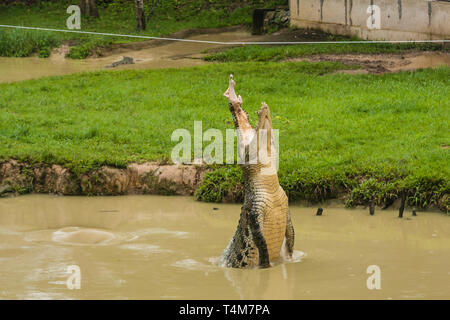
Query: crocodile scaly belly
(274, 225)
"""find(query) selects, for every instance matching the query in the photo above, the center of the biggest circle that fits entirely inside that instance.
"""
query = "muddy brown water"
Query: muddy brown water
(168, 55)
(187, 54)
(156, 247)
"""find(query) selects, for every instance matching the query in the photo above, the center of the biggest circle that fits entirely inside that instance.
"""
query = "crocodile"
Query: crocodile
(265, 225)
(125, 60)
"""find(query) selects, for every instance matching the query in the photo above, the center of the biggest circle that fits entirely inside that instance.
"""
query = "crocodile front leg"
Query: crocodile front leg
(258, 236)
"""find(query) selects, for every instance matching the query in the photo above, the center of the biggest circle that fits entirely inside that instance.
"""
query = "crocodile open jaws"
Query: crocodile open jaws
(265, 222)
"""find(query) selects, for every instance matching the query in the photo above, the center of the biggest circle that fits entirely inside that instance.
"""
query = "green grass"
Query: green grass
(277, 53)
(365, 136)
(88, 46)
(117, 17)
(20, 43)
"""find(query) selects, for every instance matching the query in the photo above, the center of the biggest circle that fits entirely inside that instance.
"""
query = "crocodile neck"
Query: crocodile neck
(255, 180)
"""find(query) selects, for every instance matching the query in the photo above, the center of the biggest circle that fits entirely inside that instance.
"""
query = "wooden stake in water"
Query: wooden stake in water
(371, 208)
(402, 205)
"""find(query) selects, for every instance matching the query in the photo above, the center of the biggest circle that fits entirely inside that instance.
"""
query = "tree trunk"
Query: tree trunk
(89, 8)
(140, 15)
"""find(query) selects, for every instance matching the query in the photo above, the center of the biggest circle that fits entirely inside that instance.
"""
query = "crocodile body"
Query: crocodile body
(265, 221)
(125, 60)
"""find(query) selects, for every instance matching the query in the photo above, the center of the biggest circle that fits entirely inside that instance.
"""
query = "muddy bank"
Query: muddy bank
(145, 178)
(383, 62)
(147, 44)
(168, 179)
(232, 33)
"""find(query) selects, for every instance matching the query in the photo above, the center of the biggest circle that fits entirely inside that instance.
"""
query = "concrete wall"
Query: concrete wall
(400, 19)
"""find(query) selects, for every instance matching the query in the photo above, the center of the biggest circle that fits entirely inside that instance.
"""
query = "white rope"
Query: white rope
(224, 42)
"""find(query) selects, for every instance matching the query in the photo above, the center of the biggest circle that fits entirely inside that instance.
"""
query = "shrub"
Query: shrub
(22, 43)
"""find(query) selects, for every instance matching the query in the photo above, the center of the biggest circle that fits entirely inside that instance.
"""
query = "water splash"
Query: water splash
(297, 256)
(143, 248)
(150, 231)
(78, 236)
(83, 236)
(191, 264)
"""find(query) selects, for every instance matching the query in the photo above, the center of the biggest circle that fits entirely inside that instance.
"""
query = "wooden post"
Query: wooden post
(140, 15)
(402, 205)
(371, 208)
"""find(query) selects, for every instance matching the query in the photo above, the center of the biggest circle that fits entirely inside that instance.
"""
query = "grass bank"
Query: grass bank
(358, 137)
(115, 17)
(285, 52)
